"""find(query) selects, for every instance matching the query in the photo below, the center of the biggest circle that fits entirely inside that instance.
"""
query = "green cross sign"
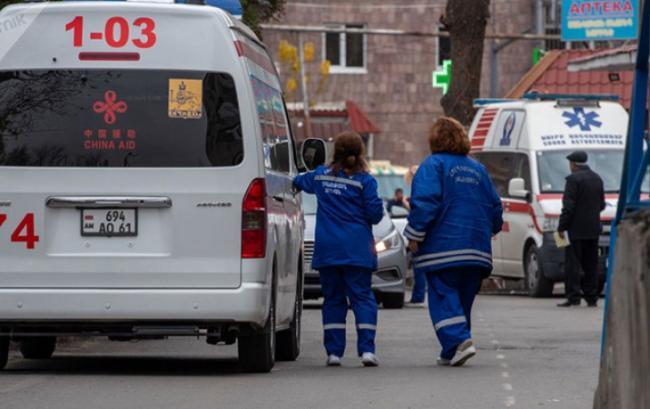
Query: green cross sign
(442, 78)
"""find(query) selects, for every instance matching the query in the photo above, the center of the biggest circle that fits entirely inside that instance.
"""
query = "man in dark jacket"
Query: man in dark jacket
(584, 199)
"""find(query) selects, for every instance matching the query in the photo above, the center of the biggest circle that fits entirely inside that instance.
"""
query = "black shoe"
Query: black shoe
(592, 304)
(569, 304)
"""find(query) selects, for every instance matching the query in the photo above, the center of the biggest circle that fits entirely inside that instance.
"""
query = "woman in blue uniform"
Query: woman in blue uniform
(344, 253)
(455, 212)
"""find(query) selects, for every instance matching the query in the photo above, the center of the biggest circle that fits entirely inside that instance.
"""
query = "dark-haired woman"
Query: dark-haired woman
(455, 211)
(344, 253)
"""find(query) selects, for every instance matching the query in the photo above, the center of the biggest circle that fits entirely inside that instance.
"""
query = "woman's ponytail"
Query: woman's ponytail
(349, 153)
(350, 162)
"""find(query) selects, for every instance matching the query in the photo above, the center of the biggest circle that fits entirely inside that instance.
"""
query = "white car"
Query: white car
(388, 282)
(146, 167)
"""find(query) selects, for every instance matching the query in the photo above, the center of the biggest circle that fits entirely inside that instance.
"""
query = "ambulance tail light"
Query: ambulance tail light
(253, 233)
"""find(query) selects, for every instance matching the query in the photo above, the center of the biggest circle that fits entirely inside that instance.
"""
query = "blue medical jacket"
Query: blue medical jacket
(348, 206)
(455, 212)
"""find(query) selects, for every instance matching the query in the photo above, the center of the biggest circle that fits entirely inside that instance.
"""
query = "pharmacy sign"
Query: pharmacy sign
(600, 20)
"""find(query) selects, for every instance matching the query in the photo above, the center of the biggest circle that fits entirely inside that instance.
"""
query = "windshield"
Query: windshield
(387, 184)
(119, 118)
(554, 168)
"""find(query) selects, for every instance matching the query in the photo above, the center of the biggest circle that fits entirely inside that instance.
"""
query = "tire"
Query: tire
(393, 301)
(4, 350)
(288, 341)
(535, 281)
(38, 347)
(257, 351)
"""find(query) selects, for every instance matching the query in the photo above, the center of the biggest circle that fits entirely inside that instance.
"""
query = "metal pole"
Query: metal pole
(633, 149)
(304, 86)
(539, 21)
(391, 32)
(494, 61)
(554, 12)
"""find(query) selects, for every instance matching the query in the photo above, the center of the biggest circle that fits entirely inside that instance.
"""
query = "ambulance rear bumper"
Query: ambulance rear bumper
(246, 304)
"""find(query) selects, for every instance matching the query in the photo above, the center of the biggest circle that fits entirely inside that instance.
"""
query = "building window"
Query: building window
(346, 51)
(444, 47)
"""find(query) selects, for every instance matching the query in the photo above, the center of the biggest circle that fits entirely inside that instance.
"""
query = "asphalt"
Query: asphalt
(531, 355)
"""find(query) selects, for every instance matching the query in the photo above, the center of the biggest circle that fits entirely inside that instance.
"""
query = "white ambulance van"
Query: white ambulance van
(524, 144)
(146, 167)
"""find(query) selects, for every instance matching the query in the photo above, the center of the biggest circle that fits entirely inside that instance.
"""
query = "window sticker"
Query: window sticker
(185, 99)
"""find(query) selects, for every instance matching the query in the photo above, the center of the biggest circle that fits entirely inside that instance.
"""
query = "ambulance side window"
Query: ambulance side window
(501, 168)
(274, 125)
(523, 170)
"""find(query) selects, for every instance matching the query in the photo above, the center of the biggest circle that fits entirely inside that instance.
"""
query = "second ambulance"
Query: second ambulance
(524, 144)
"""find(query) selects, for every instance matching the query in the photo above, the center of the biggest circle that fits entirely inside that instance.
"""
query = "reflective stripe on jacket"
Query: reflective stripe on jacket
(455, 211)
(348, 206)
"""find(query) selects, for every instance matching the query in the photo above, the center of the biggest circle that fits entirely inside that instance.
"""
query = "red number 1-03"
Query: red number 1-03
(116, 32)
(77, 27)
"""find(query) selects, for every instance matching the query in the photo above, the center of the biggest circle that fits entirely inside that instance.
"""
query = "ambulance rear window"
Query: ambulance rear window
(119, 118)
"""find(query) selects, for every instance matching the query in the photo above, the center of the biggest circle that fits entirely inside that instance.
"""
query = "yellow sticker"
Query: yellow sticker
(185, 98)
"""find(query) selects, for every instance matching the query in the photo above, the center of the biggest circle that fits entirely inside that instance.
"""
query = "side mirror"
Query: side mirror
(517, 189)
(313, 153)
(397, 212)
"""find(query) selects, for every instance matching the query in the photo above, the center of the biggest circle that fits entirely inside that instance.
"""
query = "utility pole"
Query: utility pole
(304, 86)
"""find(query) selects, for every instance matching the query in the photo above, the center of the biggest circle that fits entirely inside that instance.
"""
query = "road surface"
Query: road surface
(531, 355)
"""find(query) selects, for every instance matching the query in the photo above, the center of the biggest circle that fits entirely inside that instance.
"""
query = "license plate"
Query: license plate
(109, 222)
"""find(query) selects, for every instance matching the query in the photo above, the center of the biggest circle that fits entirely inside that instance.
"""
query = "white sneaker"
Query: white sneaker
(369, 359)
(465, 351)
(443, 362)
(333, 360)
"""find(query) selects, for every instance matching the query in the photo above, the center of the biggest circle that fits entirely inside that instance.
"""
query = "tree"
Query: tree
(466, 21)
(257, 12)
(289, 58)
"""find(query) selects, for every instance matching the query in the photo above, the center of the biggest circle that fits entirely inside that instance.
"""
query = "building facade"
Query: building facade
(390, 77)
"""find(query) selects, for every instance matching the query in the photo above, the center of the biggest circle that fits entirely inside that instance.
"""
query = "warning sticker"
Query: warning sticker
(185, 98)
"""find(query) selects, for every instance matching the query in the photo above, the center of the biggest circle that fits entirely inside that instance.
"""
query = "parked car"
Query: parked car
(146, 181)
(388, 282)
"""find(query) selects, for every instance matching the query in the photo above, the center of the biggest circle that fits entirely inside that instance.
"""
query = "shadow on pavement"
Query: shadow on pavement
(121, 365)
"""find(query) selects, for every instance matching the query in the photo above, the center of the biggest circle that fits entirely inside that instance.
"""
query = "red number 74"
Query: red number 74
(25, 232)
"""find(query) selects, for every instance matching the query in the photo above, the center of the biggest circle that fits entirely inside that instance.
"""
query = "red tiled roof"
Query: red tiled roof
(328, 120)
(359, 122)
(556, 79)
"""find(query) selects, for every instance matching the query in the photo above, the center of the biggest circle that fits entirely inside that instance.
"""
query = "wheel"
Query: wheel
(536, 282)
(393, 301)
(38, 347)
(257, 351)
(4, 350)
(289, 340)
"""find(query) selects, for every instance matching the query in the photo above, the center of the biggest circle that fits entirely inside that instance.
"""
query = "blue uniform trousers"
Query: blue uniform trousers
(338, 285)
(451, 295)
(419, 287)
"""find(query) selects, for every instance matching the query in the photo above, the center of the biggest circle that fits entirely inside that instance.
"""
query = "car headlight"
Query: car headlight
(393, 240)
(550, 224)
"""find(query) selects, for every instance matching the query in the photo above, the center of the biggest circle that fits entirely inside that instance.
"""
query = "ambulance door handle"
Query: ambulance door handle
(148, 202)
(278, 199)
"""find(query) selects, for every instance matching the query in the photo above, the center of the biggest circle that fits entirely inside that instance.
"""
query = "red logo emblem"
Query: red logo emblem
(109, 107)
